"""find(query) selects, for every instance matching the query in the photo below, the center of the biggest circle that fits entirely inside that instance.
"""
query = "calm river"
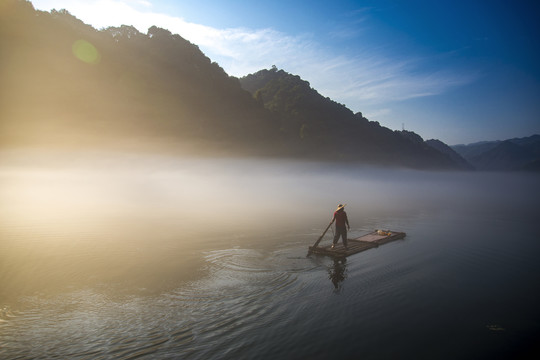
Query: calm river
(124, 257)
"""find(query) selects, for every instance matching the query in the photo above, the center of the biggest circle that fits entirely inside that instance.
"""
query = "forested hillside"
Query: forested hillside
(66, 84)
(321, 126)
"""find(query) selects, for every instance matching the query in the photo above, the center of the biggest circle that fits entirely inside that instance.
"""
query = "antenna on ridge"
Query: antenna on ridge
(402, 126)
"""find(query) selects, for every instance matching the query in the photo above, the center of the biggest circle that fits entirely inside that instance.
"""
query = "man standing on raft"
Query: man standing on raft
(340, 216)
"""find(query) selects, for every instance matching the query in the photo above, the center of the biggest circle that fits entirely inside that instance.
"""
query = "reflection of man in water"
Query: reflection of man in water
(337, 272)
(340, 216)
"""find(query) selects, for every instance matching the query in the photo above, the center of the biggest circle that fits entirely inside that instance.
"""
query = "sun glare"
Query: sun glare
(85, 51)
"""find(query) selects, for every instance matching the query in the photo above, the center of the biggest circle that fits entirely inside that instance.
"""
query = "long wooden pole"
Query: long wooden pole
(319, 240)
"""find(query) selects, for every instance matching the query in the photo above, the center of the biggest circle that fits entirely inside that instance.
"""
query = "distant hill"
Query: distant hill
(67, 84)
(445, 149)
(321, 126)
(508, 155)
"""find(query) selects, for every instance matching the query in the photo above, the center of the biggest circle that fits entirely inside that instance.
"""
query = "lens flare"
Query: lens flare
(86, 52)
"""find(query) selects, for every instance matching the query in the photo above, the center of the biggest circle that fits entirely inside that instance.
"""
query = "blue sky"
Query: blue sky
(460, 71)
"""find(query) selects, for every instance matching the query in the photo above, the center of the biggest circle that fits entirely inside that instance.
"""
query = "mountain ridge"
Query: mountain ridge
(325, 126)
(68, 84)
(503, 155)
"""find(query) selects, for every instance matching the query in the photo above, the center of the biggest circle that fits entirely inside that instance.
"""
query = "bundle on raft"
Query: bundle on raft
(362, 243)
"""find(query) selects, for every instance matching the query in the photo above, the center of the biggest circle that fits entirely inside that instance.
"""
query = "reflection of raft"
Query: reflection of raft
(362, 243)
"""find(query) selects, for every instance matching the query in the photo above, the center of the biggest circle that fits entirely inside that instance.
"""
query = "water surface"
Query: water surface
(122, 256)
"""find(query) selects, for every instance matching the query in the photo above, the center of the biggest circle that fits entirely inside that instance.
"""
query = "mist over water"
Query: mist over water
(123, 255)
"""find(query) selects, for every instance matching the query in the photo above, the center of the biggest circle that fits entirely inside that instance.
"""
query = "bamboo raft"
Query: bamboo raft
(362, 243)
